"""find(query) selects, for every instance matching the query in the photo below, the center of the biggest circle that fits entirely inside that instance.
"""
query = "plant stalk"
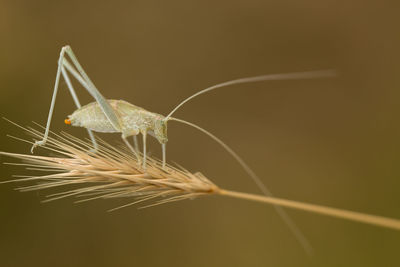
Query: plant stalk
(339, 213)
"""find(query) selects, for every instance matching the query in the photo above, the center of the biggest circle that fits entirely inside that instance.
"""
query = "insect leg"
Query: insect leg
(53, 101)
(131, 148)
(87, 83)
(163, 149)
(164, 154)
(136, 142)
(91, 88)
(77, 103)
(144, 133)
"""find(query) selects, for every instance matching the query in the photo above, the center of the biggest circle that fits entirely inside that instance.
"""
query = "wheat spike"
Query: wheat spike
(114, 173)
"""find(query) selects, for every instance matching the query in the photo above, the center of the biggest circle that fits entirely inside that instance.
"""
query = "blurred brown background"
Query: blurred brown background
(333, 142)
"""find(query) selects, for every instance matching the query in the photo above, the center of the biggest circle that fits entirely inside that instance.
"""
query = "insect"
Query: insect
(122, 117)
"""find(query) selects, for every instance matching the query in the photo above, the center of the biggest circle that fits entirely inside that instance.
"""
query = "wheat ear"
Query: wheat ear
(113, 172)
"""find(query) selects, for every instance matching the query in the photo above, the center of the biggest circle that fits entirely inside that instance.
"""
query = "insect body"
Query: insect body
(132, 119)
(129, 120)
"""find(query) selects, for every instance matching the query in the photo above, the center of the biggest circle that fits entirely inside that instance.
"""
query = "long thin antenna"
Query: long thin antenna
(282, 213)
(268, 77)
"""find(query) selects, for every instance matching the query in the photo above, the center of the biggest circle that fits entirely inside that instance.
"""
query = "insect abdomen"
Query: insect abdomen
(92, 117)
(131, 118)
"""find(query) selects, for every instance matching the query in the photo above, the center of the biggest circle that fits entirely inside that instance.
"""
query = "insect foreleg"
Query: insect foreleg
(163, 149)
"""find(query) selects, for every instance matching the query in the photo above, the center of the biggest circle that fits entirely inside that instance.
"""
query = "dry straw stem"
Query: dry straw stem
(114, 173)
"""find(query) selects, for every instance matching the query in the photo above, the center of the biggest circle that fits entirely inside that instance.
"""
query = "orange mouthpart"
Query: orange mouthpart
(67, 121)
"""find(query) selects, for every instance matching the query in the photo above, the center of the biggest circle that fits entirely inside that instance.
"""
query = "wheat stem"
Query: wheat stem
(334, 212)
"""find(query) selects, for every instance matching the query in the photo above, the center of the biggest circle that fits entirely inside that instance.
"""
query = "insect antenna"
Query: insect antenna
(282, 213)
(268, 77)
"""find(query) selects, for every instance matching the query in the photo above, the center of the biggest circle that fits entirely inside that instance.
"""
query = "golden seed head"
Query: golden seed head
(110, 172)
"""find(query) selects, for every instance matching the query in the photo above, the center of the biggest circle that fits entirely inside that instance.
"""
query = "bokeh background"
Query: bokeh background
(329, 141)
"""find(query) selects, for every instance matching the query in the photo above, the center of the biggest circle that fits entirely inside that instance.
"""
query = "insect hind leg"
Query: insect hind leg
(78, 72)
(53, 101)
(78, 105)
(82, 77)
